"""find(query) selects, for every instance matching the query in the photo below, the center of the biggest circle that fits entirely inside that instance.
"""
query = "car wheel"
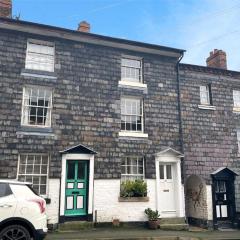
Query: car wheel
(15, 232)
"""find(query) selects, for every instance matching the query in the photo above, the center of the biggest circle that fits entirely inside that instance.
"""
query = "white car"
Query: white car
(22, 212)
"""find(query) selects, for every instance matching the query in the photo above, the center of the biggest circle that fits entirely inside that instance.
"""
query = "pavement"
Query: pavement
(138, 233)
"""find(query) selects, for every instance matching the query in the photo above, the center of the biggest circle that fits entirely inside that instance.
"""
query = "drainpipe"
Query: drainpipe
(179, 104)
(180, 119)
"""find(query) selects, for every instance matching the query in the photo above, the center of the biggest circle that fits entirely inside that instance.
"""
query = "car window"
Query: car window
(5, 190)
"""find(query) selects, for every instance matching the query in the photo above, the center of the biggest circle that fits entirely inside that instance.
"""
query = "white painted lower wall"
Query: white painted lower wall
(53, 194)
(106, 193)
(209, 202)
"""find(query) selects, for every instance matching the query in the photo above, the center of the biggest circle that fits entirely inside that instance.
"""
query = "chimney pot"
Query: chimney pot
(217, 59)
(84, 27)
(6, 8)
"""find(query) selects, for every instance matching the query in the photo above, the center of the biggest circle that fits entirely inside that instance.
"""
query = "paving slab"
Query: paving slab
(142, 234)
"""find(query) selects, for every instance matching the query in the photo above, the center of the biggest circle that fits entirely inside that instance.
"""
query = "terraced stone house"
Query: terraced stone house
(81, 112)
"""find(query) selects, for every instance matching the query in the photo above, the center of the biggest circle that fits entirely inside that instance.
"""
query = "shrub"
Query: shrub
(133, 188)
(152, 215)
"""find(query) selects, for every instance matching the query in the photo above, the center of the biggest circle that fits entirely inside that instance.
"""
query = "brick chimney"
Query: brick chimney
(83, 26)
(6, 8)
(217, 59)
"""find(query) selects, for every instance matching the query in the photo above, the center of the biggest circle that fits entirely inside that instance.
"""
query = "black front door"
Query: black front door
(224, 208)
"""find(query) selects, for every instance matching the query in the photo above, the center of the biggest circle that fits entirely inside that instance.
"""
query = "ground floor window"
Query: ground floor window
(132, 168)
(34, 168)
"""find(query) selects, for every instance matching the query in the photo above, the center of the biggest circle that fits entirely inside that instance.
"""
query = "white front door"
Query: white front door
(167, 192)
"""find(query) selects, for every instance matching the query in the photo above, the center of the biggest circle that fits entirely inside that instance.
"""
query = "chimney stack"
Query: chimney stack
(6, 8)
(217, 59)
(83, 26)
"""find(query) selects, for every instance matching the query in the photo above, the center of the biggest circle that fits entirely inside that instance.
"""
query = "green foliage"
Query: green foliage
(136, 188)
(152, 215)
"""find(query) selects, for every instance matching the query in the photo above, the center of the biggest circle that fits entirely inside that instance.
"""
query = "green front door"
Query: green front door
(76, 194)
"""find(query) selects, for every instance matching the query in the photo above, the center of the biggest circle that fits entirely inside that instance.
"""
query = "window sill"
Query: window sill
(207, 107)
(38, 73)
(126, 83)
(133, 199)
(40, 131)
(133, 134)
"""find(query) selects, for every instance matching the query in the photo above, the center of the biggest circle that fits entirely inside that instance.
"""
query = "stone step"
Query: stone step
(75, 226)
(177, 220)
(175, 227)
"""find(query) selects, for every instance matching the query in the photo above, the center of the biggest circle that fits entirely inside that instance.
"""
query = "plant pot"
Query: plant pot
(153, 224)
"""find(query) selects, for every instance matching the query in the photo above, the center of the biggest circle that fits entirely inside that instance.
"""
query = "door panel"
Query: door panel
(76, 188)
(167, 192)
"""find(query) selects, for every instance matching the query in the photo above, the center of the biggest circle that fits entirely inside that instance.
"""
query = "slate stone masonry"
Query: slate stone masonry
(209, 136)
(86, 105)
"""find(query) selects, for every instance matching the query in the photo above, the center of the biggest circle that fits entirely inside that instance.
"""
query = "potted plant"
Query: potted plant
(153, 218)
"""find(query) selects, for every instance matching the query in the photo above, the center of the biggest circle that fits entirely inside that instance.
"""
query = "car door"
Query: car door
(8, 202)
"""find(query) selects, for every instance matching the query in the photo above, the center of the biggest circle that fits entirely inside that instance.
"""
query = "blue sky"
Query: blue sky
(198, 26)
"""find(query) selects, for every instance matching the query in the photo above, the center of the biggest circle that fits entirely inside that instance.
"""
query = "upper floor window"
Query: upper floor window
(236, 99)
(40, 55)
(131, 70)
(34, 168)
(205, 95)
(132, 168)
(36, 107)
(131, 114)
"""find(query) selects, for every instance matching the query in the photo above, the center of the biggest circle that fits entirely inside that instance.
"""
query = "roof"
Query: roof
(165, 150)
(211, 70)
(53, 31)
(79, 149)
(224, 169)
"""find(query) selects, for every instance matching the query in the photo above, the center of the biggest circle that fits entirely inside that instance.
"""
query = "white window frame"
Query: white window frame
(128, 79)
(238, 139)
(236, 100)
(29, 55)
(29, 106)
(34, 174)
(131, 176)
(141, 112)
(207, 96)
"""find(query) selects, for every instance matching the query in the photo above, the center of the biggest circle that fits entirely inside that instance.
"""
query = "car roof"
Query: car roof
(15, 182)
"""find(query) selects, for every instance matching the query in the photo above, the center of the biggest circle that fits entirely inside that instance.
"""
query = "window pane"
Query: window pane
(44, 169)
(40, 56)
(132, 168)
(131, 70)
(4, 190)
(81, 170)
(131, 119)
(71, 170)
(204, 94)
(21, 169)
(161, 171)
(37, 110)
(169, 171)
(36, 169)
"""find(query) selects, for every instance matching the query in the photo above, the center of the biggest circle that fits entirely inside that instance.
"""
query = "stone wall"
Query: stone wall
(196, 198)
(209, 136)
(86, 105)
